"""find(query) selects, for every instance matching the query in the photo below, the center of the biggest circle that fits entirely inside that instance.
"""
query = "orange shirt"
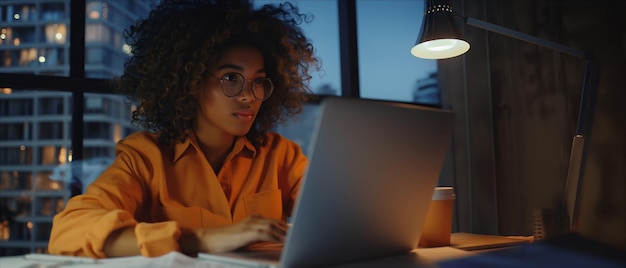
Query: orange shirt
(160, 189)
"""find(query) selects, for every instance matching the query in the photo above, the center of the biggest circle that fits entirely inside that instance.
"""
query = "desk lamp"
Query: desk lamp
(440, 38)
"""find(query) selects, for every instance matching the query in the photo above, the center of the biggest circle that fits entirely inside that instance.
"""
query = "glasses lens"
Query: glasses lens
(232, 84)
(263, 88)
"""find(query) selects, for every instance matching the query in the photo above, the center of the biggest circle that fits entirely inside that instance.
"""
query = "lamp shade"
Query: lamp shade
(439, 37)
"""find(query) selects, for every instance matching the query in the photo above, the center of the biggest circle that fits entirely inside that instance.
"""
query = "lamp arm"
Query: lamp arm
(579, 142)
(523, 36)
(589, 68)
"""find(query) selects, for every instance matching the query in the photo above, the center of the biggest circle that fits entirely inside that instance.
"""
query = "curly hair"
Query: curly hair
(174, 46)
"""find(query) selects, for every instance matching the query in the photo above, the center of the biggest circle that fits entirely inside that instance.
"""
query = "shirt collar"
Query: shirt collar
(241, 143)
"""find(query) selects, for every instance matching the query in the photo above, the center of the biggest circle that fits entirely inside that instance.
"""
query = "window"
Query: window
(53, 57)
(15, 107)
(51, 105)
(55, 33)
(23, 35)
(93, 152)
(300, 129)
(21, 13)
(6, 35)
(51, 155)
(15, 180)
(16, 155)
(53, 11)
(26, 57)
(15, 131)
(323, 30)
(44, 181)
(98, 130)
(386, 32)
(94, 10)
(51, 131)
(97, 32)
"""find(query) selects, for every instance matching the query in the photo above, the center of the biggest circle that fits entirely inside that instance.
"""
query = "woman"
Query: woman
(211, 79)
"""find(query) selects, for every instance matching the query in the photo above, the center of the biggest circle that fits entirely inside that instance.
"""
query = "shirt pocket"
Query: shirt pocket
(268, 204)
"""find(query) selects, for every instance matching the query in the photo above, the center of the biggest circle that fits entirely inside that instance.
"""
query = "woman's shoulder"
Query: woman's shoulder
(141, 141)
(143, 138)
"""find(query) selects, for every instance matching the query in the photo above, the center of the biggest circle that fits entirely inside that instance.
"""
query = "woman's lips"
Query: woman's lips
(244, 115)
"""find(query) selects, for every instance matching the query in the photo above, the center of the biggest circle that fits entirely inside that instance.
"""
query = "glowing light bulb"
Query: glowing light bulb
(440, 45)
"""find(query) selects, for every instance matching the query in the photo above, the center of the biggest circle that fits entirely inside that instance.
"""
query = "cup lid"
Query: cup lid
(444, 193)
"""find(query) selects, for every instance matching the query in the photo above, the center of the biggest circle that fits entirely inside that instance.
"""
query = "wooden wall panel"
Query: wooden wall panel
(517, 105)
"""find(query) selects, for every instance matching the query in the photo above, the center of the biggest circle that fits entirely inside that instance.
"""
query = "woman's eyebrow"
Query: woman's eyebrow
(229, 66)
(236, 67)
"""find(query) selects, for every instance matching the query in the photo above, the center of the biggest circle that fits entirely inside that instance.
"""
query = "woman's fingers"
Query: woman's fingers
(266, 229)
(251, 230)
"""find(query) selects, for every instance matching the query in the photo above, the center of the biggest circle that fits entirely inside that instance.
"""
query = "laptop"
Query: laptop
(373, 166)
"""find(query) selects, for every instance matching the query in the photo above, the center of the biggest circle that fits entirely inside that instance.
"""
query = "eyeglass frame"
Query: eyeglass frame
(244, 85)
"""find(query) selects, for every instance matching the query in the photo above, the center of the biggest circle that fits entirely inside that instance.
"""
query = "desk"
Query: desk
(422, 257)
(567, 251)
(462, 245)
(484, 243)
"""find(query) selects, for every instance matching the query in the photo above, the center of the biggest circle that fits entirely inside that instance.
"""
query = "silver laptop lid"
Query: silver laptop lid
(373, 168)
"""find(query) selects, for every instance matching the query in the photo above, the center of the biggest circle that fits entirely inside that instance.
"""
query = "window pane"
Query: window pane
(53, 11)
(14, 154)
(54, 33)
(52, 105)
(11, 57)
(387, 29)
(300, 129)
(15, 131)
(52, 130)
(323, 31)
(15, 180)
(18, 35)
(105, 48)
(15, 105)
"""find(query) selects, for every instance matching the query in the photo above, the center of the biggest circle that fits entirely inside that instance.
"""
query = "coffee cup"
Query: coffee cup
(438, 223)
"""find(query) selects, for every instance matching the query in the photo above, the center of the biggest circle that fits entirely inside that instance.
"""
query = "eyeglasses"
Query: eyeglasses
(233, 84)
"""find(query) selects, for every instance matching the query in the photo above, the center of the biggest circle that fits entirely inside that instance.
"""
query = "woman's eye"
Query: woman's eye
(232, 77)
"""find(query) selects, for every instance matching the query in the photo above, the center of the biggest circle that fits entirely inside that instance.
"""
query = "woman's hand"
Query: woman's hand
(250, 230)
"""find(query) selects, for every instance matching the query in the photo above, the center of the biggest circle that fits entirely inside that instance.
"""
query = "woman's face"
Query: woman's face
(222, 115)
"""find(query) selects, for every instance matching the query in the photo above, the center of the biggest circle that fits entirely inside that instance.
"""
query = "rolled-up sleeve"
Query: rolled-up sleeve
(156, 239)
(107, 205)
(82, 228)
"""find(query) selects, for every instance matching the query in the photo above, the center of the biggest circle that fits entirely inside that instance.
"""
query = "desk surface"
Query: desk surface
(421, 257)
(462, 245)
(479, 242)
(540, 254)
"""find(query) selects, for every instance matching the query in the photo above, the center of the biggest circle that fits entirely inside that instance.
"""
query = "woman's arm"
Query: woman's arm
(108, 204)
(123, 242)
(250, 230)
